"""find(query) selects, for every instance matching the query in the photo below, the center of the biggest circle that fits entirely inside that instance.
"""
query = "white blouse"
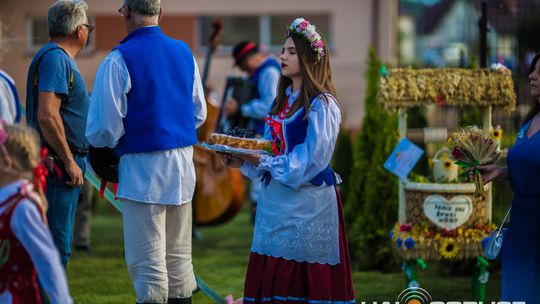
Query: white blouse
(296, 220)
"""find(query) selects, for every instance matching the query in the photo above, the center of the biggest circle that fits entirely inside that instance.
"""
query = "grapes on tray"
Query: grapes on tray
(238, 132)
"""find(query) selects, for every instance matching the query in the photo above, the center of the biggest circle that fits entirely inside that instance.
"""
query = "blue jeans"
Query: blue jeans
(62, 201)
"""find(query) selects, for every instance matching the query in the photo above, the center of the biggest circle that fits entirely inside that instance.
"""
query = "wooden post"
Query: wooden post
(487, 125)
(402, 129)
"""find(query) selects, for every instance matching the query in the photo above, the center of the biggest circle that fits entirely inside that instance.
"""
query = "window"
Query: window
(38, 33)
(235, 29)
(266, 29)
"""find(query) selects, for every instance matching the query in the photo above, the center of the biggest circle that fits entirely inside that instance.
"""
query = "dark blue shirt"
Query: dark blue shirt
(54, 76)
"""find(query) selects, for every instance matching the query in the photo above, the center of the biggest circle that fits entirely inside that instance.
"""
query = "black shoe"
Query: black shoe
(85, 248)
(179, 301)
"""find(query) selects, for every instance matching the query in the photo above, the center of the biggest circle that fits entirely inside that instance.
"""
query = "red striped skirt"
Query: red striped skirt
(277, 280)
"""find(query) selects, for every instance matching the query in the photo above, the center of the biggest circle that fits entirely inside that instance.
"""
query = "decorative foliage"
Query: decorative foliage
(430, 242)
(473, 147)
(407, 87)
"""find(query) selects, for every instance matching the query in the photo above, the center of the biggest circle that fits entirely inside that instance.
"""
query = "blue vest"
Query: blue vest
(258, 124)
(160, 112)
(295, 133)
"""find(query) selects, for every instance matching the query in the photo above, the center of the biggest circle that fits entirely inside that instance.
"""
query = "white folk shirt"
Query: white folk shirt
(8, 107)
(297, 220)
(161, 177)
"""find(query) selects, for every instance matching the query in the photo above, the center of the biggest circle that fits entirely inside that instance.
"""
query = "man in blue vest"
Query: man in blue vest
(264, 71)
(57, 104)
(147, 103)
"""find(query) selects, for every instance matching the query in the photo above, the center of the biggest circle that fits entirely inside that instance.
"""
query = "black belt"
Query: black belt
(74, 151)
(78, 152)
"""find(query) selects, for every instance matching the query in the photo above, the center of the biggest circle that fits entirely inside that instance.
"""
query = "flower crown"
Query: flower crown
(308, 31)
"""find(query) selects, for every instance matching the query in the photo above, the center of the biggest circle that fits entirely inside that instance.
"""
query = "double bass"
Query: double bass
(219, 192)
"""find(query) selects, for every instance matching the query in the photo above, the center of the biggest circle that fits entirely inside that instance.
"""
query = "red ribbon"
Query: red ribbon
(102, 189)
(41, 171)
(276, 129)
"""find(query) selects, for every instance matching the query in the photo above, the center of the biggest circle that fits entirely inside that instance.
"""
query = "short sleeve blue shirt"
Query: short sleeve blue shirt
(54, 74)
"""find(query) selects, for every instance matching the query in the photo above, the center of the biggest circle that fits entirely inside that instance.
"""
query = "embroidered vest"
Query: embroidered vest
(17, 272)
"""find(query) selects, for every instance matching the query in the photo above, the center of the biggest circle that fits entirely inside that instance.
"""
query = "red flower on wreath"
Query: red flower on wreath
(457, 153)
(405, 228)
(440, 101)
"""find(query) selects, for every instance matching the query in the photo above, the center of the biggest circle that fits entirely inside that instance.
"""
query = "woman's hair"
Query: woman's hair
(22, 146)
(535, 105)
(316, 75)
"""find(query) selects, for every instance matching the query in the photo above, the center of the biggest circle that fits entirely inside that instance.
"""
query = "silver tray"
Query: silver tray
(228, 149)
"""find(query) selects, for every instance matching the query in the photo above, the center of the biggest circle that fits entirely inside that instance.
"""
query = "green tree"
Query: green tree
(342, 160)
(371, 208)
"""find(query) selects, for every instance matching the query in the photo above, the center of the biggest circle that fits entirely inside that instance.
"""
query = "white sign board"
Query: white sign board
(448, 214)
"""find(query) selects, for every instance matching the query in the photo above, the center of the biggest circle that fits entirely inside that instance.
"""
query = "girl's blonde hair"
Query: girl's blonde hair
(23, 148)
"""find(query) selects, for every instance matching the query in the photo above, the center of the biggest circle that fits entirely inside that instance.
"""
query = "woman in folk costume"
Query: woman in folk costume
(299, 252)
(27, 250)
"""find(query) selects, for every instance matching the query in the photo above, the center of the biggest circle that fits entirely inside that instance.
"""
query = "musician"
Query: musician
(147, 103)
(264, 72)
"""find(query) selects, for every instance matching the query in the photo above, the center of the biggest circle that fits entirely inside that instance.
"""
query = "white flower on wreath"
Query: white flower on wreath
(302, 27)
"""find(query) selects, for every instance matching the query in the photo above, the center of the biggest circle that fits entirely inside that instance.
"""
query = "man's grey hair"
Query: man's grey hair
(146, 8)
(64, 17)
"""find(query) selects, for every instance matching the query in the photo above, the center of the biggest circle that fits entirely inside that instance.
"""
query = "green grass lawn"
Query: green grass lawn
(220, 260)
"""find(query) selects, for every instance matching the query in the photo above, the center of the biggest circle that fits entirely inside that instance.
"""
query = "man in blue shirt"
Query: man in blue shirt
(57, 101)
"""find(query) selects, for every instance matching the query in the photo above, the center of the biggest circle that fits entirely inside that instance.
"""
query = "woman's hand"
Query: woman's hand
(490, 172)
(230, 160)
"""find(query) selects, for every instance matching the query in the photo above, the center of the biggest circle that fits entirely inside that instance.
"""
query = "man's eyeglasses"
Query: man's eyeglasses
(89, 27)
(121, 10)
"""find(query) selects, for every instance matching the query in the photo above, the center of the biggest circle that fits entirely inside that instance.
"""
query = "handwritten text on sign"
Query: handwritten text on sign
(448, 214)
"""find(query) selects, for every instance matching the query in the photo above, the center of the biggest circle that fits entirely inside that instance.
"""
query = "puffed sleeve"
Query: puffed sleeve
(308, 159)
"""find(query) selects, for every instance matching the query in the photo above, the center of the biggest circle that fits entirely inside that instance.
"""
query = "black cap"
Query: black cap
(244, 49)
